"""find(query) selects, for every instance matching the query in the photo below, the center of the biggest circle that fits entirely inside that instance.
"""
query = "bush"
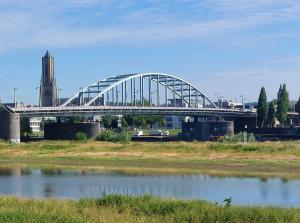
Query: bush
(109, 136)
(239, 137)
(80, 136)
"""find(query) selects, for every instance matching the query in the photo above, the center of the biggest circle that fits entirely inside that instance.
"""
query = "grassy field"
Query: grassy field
(265, 159)
(116, 208)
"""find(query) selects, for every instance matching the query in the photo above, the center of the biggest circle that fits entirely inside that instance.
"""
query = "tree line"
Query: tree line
(138, 121)
(278, 108)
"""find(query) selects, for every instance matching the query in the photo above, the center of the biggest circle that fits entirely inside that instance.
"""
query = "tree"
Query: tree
(74, 119)
(271, 115)
(282, 104)
(107, 121)
(262, 108)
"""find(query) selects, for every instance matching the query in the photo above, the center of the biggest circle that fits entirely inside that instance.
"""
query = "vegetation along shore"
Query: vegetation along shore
(117, 208)
(263, 159)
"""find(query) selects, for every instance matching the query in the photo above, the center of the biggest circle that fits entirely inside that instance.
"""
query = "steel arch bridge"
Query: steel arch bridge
(141, 89)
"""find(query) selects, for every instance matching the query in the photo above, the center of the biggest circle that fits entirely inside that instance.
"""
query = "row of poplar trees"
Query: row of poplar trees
(278, 108)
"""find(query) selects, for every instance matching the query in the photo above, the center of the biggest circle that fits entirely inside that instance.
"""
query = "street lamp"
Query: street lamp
(38, 96)
(15, 89)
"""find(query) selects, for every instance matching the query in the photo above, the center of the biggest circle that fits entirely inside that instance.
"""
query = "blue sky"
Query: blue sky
(232, 47)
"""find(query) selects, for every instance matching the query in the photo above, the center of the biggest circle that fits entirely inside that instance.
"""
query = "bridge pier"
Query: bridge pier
(10, 127)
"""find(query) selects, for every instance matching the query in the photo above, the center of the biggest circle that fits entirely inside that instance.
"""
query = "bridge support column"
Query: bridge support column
(10, 127)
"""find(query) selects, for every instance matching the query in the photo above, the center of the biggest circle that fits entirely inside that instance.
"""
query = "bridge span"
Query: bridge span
(129, 94)
(130, 110)
(134, 94)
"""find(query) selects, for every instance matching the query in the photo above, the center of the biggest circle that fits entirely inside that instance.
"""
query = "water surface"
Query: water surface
(72, 184)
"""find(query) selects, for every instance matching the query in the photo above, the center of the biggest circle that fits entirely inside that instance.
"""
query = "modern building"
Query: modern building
(36, 123)
(48, 88)
(206, 130)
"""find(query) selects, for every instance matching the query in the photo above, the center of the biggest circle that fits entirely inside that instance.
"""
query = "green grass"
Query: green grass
(267, 159)
(118, 208)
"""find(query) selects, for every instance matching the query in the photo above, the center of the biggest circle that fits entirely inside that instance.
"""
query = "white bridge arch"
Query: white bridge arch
(141, 89)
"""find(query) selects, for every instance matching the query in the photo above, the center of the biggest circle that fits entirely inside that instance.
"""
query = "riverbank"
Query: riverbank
(116, 208)
(263, 159)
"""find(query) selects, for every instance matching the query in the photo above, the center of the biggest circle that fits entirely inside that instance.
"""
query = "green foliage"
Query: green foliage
(109, 136)
(80, 136)
(239, 137)
(74, 119)
(271, 115)
(110, 122)
(144, 121)
(141, 209)
(282, 104)
(262, 108)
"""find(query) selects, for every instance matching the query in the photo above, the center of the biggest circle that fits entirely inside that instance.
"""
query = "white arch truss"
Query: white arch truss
(141, 89)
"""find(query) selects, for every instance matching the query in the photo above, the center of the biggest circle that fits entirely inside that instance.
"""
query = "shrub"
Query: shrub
(239, 137)
(80, 136)
(109, 136)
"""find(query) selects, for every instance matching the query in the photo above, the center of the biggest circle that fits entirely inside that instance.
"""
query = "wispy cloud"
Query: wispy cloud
(74, 23)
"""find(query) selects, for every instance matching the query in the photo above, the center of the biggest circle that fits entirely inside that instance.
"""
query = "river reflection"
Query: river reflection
(77, 184)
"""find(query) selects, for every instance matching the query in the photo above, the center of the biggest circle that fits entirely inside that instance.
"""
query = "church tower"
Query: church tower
(48, 89)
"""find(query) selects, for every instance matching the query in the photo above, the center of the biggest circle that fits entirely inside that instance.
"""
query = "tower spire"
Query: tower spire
(48, 88)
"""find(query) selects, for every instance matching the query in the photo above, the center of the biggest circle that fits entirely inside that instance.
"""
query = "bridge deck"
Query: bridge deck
(129, 110)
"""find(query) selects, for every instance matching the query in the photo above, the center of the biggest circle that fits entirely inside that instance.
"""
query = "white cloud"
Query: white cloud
(73, 23)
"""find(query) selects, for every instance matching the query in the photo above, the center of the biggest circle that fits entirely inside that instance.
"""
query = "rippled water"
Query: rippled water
(39, 183)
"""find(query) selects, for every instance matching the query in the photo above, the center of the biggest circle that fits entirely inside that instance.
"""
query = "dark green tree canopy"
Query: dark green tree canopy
(262, 108)
(282, 104)
(271, 115)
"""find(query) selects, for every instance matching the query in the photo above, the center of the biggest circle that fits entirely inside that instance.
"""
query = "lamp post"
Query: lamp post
(15, 89)
(39, 104)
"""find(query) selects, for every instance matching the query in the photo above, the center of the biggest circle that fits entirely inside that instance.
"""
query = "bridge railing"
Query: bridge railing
(92, 108)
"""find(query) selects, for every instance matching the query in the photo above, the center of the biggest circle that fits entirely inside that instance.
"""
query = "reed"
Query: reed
(119, 208)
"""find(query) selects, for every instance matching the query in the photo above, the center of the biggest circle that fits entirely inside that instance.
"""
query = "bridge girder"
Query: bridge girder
(169, 87)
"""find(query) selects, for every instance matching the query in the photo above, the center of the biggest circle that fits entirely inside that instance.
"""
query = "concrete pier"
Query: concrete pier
(10, 127)
(67, 131)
